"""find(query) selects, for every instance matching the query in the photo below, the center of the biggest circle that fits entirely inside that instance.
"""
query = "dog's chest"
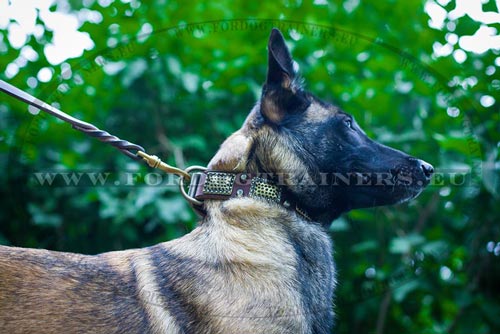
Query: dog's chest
(279, 282)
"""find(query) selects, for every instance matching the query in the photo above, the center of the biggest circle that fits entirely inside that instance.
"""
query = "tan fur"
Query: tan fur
(259, 263)
(317, 113)
(152, 299)
(272, 110)
(36, 298)
(233, 153)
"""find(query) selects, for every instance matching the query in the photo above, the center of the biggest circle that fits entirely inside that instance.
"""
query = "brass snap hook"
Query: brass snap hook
(155, 162)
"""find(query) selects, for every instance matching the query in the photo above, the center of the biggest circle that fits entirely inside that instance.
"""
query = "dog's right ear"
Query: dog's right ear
(279, 94)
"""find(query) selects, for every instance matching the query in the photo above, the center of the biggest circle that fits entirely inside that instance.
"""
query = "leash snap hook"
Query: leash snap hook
(155, 162)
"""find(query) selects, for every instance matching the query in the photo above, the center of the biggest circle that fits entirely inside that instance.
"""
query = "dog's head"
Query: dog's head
(317, 151)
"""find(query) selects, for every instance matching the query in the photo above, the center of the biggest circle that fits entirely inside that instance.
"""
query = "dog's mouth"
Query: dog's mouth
(399, 184)
(417, 175)
(400, 176)
(408, 181)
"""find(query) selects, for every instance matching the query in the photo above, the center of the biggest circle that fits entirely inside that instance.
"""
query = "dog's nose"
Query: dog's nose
(426, 168)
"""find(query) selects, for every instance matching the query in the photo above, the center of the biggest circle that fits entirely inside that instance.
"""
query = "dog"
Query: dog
(260, 260)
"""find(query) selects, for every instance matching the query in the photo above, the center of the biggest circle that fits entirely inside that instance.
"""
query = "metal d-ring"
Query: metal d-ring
(188, 198)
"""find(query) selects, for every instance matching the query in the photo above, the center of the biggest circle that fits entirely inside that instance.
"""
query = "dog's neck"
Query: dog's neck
(248, 151)
(251, 213)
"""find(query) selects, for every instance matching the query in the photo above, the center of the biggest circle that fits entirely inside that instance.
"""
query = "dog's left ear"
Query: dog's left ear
(280, 94)
(233, 154)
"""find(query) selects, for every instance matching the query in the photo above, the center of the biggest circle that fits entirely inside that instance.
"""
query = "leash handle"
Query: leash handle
(124, 146)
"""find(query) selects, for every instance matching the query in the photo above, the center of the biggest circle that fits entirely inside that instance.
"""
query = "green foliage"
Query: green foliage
(428, 266)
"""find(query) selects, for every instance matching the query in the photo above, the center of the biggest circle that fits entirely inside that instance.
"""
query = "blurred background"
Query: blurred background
(179, 77)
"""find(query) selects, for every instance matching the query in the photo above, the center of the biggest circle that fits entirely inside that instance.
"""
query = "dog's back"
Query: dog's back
(52, 292)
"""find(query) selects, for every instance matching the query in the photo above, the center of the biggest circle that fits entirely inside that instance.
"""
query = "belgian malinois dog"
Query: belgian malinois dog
(260, 260)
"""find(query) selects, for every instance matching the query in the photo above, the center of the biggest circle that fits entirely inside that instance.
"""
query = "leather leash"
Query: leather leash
(124, 146)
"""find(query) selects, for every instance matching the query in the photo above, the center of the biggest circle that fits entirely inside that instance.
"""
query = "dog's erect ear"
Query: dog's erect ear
(281, 94)
(280, 68)
(233, 154)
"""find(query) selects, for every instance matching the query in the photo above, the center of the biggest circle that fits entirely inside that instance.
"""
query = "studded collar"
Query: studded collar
(216, 185)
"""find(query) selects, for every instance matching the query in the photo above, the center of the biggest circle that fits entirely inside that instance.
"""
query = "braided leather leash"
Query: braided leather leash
(124, 146)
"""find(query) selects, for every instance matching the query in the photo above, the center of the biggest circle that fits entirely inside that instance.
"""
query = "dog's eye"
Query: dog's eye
(348, 123)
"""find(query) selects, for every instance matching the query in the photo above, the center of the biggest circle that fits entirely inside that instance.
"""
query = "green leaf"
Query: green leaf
(42, 218)
(453, 142)
(339, 225)
(403, 245)
(364, 246)
(491, 173)
(403, 290)
(173, 210)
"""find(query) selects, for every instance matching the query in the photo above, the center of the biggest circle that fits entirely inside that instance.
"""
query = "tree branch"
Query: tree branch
(382, 313)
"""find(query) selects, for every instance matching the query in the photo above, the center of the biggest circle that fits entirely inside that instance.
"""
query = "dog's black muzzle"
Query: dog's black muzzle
(414, 172)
